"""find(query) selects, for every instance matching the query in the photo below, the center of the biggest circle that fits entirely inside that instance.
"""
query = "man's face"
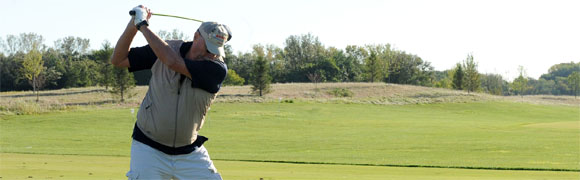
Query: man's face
(198, 42)
(198, 48)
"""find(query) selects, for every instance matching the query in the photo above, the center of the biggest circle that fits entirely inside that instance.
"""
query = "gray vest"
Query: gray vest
(172, 113)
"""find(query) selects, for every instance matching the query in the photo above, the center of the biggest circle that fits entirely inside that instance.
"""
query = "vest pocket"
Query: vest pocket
(149, 124)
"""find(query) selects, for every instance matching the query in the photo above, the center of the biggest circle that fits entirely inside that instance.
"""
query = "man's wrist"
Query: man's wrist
(141, 24)
(144, 30)
(131, 26)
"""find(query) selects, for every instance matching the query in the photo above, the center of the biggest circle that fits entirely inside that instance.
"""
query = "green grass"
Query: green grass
(99, 132)
(490, 135)
(29, 166)
(459, 135)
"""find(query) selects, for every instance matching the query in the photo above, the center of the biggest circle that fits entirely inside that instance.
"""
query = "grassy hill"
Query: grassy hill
(23, 102)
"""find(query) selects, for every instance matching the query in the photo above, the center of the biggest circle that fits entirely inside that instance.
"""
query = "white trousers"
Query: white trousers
(150, 163)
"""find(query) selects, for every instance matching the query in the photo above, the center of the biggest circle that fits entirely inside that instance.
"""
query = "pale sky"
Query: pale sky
(501, 34)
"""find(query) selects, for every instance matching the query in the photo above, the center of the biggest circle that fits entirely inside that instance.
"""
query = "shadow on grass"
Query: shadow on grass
(410, 165)
(440, 95)
(237, 95)
(90, 103)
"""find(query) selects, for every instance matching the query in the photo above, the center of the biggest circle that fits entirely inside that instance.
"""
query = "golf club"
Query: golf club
(167, 15)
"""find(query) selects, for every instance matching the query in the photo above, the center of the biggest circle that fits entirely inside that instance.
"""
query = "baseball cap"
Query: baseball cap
(215, 36)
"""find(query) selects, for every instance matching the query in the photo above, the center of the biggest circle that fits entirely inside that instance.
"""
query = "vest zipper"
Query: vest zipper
(177, 108)
(176, 116)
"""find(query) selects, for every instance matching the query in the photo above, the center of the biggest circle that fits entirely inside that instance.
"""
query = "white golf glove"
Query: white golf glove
(141, 15)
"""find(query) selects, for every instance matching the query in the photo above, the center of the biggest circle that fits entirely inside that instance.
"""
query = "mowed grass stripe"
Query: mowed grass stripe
(492, 134)
(347, 164)
(28, 166)
(406, 166)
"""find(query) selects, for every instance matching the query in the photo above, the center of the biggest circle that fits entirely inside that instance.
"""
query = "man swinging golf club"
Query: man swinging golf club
(185, 79)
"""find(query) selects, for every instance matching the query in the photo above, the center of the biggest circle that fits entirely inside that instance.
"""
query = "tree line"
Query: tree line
(27, 63)
(305, 59)
(561, 79)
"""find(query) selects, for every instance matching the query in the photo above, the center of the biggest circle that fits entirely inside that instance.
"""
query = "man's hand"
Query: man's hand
(141, 16)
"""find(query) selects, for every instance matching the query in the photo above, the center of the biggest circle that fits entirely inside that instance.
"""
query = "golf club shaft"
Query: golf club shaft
(167, 15)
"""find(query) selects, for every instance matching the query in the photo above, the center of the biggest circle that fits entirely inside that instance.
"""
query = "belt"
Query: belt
(139, 136)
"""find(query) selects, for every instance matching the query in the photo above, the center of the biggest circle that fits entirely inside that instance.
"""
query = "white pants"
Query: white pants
(150, 163)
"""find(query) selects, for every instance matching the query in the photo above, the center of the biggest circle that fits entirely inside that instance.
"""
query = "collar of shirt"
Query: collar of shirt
(184, 48)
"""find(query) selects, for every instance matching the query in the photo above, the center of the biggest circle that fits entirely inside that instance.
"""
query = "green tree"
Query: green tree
(72, 48)
(325, 67)
(443, 79)
(492, 84)
(520, 84)
(407, 68)
(56, 66)
(301, 55)
(14, 50)
(574, 83)
(559, 75)
(472, 81)
(103, 56)
(260, 79)
(123, 83)
(233, 78)
(424, 75)
(275, 57)
(383, 55)
(561, 70)
(48, 76)
(32, 67)
(2, 59)
(230, 56)
(351, 66)
(82, 73)
(543, 86)
(356, 56)
(458, 77)
(242, 64)
(11, 73)
(372, 65)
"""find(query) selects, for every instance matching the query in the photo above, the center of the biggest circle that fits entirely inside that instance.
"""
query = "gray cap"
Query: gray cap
(215, 36)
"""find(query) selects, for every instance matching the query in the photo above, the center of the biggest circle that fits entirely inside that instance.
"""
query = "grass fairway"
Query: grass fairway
(34, 166)
(484, 135)
(490, 135)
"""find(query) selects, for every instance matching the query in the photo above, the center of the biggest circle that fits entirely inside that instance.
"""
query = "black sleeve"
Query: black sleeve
(141, 58)
(206, 75)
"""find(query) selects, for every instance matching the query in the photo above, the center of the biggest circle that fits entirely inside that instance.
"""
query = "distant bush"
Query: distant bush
(341, 92)
(287, 101)
(233, 79)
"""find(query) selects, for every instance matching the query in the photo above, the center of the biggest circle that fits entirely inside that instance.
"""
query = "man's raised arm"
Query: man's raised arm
(119, 57)
(164, 52)
(161, 49)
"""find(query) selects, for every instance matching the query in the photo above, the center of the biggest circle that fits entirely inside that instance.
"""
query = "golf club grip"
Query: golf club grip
(132, 13)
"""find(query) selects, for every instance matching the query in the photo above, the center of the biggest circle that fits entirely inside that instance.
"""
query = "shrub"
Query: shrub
(233, 79)
(341, 92)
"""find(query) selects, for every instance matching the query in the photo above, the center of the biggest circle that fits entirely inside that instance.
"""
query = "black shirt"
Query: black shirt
(205, 74)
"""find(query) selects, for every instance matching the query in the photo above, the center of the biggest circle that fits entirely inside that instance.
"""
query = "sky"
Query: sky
(501, 34)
